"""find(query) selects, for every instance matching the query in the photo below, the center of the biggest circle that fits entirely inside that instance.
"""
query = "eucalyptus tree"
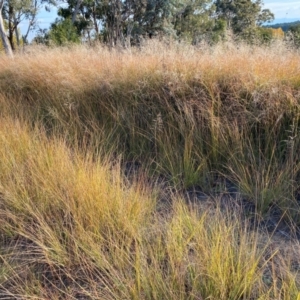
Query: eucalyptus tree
(16, 11)
(63, 32)
(4, 38)
(193, 19)
(118, 21)
(85, 16)
(242, 15)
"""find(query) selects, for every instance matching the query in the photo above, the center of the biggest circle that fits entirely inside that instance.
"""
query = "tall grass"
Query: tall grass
(73, 122)
(71, 228)
(185, 112)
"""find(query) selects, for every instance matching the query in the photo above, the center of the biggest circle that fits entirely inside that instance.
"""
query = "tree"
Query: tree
(118, 21)
(123, 22)
(194, 20)
(85, 16)
(42, 37)
(4, 38)
(295, 33)
(63, 32)
(267, 35)
(14, 12)
(31, 17)
(15, 39)
(242, 15)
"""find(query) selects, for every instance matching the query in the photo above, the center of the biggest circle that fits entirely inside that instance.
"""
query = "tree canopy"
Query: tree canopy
(242, 15)
(126, 22)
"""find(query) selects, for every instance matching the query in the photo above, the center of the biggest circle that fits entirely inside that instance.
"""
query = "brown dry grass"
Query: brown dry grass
(73, 226)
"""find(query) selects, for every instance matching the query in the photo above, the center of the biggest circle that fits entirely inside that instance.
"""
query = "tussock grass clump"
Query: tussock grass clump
(185, 113)
(76, 124)
(58, 208)
(71, 228)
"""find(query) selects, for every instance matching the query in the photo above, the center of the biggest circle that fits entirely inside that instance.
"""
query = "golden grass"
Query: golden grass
(82, 69)
(71, 228)
(72, 121)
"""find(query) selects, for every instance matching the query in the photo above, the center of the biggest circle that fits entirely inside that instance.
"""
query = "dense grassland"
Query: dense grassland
(165, 172)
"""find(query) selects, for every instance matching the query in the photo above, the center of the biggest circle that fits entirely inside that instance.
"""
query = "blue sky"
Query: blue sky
(285, 11)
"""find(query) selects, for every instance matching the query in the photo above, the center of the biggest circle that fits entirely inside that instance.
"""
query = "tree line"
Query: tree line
(127, 22)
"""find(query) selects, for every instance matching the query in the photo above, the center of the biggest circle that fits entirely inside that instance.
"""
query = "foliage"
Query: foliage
(192, 19)
(14, 12)
(295, 31)
(285, 26)
(128, 22)
(42, 37)
(242, 16)
(263, 35)
(277, 33)
(63, 32)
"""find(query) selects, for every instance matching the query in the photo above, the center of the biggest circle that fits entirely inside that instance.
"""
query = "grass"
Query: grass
(99, 150)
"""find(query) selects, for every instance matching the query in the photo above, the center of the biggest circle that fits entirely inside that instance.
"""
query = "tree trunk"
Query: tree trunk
(11, 28)
(95, 21)
(75, 12)
(17, 32)
(4, 38)
(31, 23)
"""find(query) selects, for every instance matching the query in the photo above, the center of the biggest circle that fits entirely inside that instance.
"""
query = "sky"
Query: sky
(284, 11)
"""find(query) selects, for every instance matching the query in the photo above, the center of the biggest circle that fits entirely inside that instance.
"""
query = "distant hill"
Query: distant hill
(285, 26)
